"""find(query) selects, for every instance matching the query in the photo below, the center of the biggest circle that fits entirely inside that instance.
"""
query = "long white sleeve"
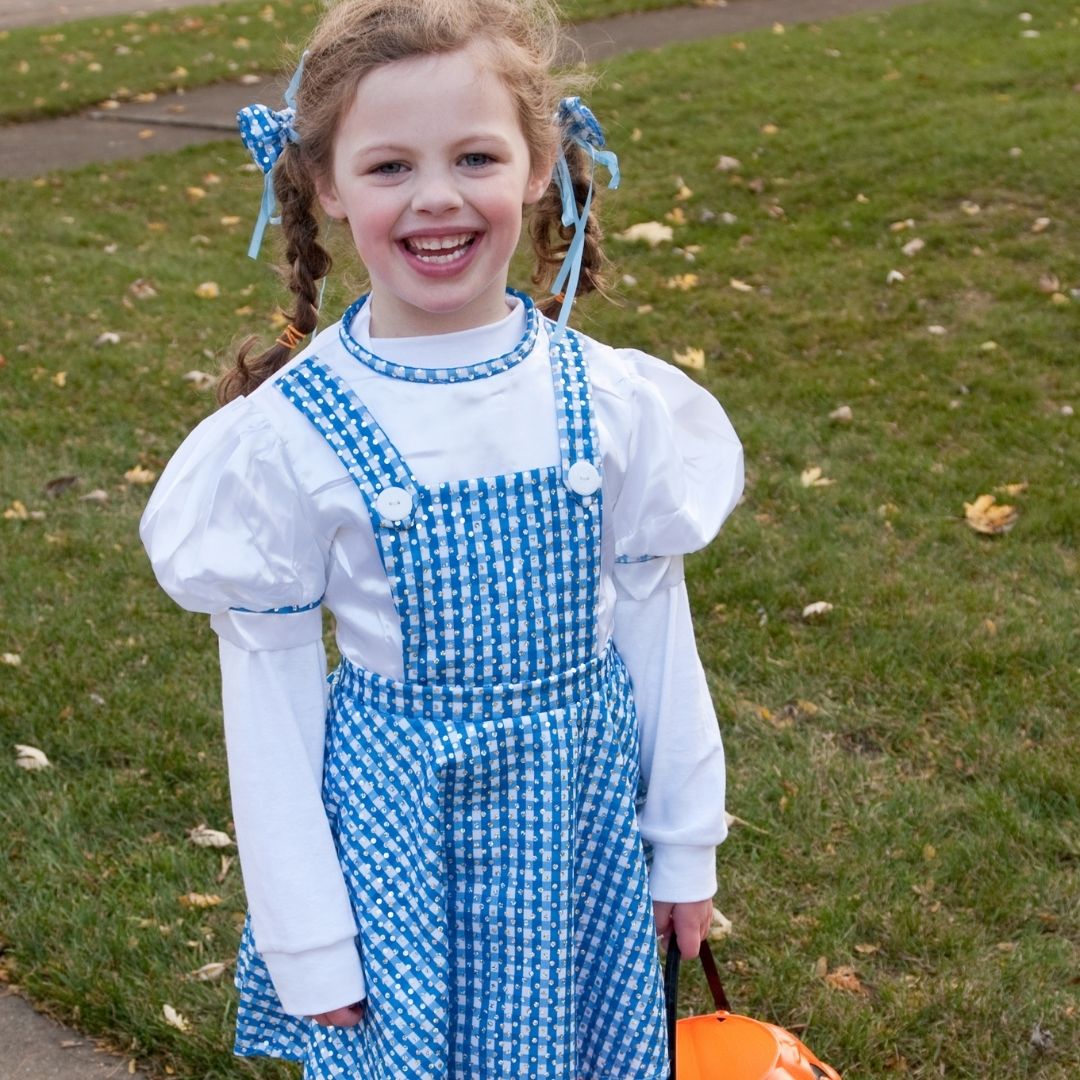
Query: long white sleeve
(682, 756)
(275, 708)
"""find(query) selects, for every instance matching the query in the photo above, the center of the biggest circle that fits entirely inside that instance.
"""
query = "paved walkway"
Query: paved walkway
(33, 1047)
(208, 113)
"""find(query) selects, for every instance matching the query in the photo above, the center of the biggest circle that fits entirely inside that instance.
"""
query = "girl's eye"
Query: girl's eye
(389, 168)
(476, 161)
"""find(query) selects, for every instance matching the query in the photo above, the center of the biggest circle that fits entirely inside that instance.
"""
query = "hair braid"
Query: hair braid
(308, 262)
(551, 238)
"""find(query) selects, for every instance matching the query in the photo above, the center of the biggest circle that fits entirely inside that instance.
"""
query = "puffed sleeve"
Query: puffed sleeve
(229, 531)
(684, 468)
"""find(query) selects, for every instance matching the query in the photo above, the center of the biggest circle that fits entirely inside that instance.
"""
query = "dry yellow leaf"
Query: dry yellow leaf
(683, 192)
(769, 129)
(691, 358)
(649, 232)
(740, 286)
(229, 220)
(991, 519)
(209, 972)
(204, 836)
(11, 659)
(845, 978)
(1013, 489)
(60, 379)
(16, 512)
(208, 290)
(175, 1019)
(813, 477)
(139, 475)
(676, 216)
(684, 282)
(199, 901)
(30, 758)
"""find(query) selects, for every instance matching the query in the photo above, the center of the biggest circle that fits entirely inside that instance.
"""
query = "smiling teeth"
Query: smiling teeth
(439, 243)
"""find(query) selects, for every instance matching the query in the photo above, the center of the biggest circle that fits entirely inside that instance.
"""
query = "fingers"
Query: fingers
(349, 1016)
(691, 923)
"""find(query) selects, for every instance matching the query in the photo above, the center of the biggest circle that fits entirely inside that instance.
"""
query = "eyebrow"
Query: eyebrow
(397, 149)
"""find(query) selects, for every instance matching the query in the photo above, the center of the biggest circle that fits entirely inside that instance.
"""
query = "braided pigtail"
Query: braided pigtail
(551, 239)
(308, 261)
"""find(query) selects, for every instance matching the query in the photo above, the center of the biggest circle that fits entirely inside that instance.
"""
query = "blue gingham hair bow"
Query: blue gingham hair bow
(266, 133)
(579, 126)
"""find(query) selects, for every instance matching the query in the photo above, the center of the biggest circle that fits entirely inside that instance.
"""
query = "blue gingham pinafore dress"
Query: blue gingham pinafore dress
(483, 807)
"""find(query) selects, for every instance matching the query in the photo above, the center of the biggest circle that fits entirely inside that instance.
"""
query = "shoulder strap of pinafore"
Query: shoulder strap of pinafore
(579, 448)
(386, 483)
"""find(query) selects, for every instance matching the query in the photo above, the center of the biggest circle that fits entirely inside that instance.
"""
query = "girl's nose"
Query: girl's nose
(436, 193)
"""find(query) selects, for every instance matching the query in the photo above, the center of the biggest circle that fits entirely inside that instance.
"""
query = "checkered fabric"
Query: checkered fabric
(483, 807)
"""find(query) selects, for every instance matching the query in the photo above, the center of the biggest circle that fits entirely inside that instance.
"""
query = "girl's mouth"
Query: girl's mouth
(439, 250)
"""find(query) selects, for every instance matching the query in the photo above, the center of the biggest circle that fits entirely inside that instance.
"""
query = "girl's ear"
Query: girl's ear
(539, 181)
(328, 198)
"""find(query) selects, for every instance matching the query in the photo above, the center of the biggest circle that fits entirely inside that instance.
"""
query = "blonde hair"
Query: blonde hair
(521, 41)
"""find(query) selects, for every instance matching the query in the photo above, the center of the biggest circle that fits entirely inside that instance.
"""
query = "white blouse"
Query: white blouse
(255, 513)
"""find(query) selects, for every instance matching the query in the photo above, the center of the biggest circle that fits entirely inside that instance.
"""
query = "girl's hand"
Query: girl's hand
(349, 1016)
(690, 923)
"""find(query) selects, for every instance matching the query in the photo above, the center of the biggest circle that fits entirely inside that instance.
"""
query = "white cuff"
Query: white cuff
(317, 980)
(683, 873)
(258, 631)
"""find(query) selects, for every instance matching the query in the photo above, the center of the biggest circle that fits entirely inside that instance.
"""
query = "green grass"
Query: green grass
(920, 821)
(51, 71)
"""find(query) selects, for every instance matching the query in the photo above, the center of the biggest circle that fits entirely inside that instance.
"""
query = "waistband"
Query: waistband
(474, 701)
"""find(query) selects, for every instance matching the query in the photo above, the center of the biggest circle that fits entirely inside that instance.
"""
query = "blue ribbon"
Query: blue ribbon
(580, 127)
(266, 133)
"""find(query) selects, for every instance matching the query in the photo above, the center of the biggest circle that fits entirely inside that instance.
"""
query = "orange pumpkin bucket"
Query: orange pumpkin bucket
(726, 1046)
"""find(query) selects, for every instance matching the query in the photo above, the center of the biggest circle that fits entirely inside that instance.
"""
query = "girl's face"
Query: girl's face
(431, 171)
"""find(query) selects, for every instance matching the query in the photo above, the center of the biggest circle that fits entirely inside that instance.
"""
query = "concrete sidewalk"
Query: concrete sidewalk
(207, 113)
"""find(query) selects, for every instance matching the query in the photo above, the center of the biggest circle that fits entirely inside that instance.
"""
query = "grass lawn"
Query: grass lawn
(49, 71)
(906, 893)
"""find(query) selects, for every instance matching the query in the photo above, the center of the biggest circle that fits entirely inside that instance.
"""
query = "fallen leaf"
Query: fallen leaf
(913, 247)
(845, 978)
(691, 358)
(60, 379)
(649, 232)
(769, 129)
(30, 758)
(990, 519)
(209, 972)
(201, 380)
(95, 496)
(139, 475)
(226, 865)
(208, 290)
(937, 330)
(842, 415)
(59, 484)
(816, 609)
(175, 1019)
(894, 277)
(109, 337)
(740, 286)
(230, 219)
(970, 208)
(199, 901)
(1013, 490)
(900, 226)
(813, 477)
(728, 164)
(1049, 283)
(684, 282)
(203, 836)
(142, 289)
(1041, 1039)
(1040, 224)
(867, 950)
(677, 216)
(720, 927)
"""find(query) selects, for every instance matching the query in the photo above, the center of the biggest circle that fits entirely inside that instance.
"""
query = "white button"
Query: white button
(584, 478)
(393, 504)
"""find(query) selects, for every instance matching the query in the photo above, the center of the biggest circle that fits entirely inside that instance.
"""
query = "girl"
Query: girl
(445, 851)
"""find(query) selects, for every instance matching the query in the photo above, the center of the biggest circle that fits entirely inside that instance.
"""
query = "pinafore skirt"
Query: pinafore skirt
(484, 807)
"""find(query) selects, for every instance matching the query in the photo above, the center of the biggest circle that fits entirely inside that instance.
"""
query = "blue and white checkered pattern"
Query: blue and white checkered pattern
(484, 807)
